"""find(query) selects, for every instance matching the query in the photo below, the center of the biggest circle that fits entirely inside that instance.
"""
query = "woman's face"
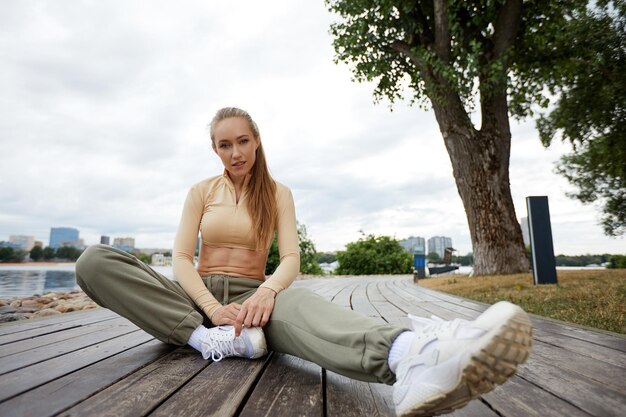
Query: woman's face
(236, 146)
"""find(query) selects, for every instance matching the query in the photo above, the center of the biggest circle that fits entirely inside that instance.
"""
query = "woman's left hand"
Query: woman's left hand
(256, 310)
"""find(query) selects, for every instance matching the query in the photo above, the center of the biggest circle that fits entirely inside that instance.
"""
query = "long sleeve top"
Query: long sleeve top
(227, 244)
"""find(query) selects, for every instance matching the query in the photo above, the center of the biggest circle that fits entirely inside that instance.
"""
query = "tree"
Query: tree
(308, 255)
(591, 112)
(69, 253)
(326, 257)
(49, 253)
(448, 53)
(374, 255)
(36, 253)
(433, 257)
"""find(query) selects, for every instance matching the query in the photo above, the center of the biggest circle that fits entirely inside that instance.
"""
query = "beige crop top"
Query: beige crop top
(227, 241)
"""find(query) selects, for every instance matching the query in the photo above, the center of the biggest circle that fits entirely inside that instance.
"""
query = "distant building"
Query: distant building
(105, 240)
(23, 242)
(158, 259)
(124, 243)
(523, 222)
(438, 244)
(414, 244)
(64, 236)
(39, 243)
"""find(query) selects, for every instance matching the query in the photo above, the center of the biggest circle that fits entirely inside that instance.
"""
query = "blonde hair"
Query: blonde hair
(261, 192)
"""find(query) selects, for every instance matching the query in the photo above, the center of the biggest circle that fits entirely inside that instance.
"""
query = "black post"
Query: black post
(541, 248)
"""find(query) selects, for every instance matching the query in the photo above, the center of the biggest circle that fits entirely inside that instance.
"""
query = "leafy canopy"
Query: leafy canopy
(374, 255)
(590, 111)
(400, 44)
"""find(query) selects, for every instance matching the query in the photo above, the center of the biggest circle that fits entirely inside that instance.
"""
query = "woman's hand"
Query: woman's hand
(226, 314)
(256, 310)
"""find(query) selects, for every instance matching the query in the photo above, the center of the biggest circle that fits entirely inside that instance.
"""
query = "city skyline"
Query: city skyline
(110, 132)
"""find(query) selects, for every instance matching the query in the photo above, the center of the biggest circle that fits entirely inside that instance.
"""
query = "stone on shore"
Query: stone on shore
(49, 304)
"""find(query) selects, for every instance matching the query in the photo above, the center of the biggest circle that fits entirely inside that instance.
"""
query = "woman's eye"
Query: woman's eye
(244, 141)
(224, 145)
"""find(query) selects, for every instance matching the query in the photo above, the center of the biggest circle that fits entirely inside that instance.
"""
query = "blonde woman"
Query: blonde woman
(225, 306)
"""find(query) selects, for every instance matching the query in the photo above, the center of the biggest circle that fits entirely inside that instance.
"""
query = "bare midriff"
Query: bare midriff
(232, 261)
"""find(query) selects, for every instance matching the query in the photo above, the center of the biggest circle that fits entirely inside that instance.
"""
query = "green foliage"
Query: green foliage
(464, 260)
(581, 260)
(69, 253)
(374, 255)
(433, 257)
(143, 257)
(590, 111)
(49, 253)
(11, 255)
(617, 261)
(36, 253)
(326, 257)
(394, 44)
(308, 255)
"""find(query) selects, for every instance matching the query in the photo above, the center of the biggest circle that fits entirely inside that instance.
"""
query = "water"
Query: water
(23, 280)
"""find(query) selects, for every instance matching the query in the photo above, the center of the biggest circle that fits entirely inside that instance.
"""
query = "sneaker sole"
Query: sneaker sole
(492, 362)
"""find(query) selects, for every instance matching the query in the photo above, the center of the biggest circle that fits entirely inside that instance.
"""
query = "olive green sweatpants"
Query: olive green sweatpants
(302, 323)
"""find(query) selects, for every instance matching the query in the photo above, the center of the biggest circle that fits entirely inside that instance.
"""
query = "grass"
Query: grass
(595, 298)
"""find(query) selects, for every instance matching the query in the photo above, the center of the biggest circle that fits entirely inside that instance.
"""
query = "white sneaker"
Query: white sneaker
(453, 362)
(221, 343)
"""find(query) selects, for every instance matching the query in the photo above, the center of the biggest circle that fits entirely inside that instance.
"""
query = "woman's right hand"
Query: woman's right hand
(226, 314)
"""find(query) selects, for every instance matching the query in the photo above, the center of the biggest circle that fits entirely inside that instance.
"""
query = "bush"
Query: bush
(308, 255)
(374, 255)
(617, 261)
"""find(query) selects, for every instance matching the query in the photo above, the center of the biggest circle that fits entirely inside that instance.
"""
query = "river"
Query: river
(29, 279)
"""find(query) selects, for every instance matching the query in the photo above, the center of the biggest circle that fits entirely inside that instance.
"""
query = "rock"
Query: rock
(90, 306)
(28, 309)
(30, 303)
(44, 300)
(5, 318)
(3, 303)
(52, 304)
(46, 312)
(7, 309)
(16, 303)
(65, 308)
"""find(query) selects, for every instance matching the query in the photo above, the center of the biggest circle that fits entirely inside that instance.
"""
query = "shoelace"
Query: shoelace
(220, 348)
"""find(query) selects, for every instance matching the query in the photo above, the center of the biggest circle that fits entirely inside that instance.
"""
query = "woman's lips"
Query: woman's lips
(238, 164)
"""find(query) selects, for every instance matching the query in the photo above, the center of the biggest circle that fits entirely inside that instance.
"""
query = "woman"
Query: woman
(226, 307)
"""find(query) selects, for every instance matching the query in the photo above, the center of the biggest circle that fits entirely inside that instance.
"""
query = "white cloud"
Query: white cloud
(105, 105)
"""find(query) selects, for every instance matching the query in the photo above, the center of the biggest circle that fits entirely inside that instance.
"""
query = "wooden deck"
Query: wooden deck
(98, 364)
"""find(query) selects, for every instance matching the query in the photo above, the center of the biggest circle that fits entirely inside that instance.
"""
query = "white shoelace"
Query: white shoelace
(219, 347)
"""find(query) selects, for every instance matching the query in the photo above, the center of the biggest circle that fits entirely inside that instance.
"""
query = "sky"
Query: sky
(104, 109)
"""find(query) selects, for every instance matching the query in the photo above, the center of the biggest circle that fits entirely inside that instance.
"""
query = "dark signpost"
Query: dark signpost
(541, 248)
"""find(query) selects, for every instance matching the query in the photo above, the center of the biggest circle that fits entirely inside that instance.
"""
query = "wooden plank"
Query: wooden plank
(52, 340)
(19, 360)
(64, 392)
(344, 296)
(144, 390)
(24, 329)
(24, 379)
(290, 386)
(519, 398)
(361, 303)
(582, 392)
(217, 390)
(606, 374)
(347, 397)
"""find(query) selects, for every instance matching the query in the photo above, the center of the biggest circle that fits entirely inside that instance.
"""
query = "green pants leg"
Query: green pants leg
(302, 323)
(119, 281)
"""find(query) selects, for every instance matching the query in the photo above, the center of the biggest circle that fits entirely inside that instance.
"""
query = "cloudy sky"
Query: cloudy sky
(104, 108)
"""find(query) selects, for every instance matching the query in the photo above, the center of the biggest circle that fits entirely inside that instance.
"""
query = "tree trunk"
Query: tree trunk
(480, 162)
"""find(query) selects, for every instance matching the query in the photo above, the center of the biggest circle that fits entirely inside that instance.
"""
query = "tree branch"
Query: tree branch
(442, 30)
(506, 27)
